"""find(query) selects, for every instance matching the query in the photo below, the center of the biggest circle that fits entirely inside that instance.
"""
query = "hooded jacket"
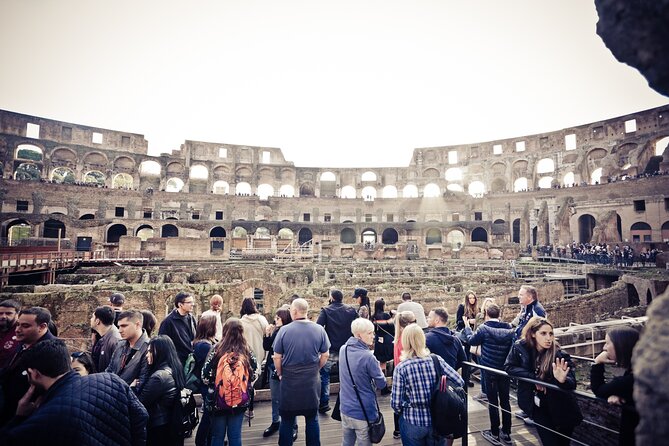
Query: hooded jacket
(442, 342)
(495, 339)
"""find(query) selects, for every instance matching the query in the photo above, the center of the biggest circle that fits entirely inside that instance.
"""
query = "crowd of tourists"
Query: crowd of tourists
(601, 253)
(131, 386)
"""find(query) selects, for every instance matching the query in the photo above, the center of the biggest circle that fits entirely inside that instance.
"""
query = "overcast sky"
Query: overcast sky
(332, 83)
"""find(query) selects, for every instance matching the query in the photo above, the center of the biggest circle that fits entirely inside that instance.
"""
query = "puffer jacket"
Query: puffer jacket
(562, 407)
(441, 341)
(159, 395)
(98, 409)
(495, 339)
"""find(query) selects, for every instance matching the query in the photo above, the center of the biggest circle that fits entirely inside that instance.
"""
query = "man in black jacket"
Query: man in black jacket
(63, 408)
(180, 325)
(495, 338)
(129, 358)
(336, 318)
(31, 329)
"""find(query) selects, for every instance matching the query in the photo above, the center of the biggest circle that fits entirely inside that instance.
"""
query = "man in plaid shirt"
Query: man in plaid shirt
(413, 381)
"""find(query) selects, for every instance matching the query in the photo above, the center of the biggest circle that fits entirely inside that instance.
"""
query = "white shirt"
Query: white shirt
(417, 309)
(219, 324)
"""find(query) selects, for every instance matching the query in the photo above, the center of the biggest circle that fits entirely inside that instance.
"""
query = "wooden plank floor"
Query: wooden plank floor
(521, 434)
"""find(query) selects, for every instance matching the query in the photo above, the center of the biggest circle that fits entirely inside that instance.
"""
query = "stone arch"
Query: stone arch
(124, 162)
(389, 236)
(169, 230)
(149, 168)
(328, 176)
(545, 183)
(122, 181)
(87, 217)
(431, 173)
(262, 232)
(649, 297)
(520, 184)
(368, 176)
(243, 188)
(586, 224)
(456, 238)
(516, 231)
(665, 231)
(641, 232)
(221, 187)
(244, 172)
(307, 190)
(145, 232)
(217, 231)
(368, 235)
(265, 191)
(545, 165)
(369, 193)
(569, 179)
(97, 159)
(498, 169)
(52, 228)
(115, 232)
(347, 236)
(174, 185)
(16, 230)
(476, 188)
(410, 191)
(499, 221)
(479, 235)
(431, 190)
(62, 175)
(286, 234)
(596, 176)
(28, 172)
(304, 236)
(433, 236)
(286, 190)
(661, 145)
(348, 192)
(175, 168)
(198, 172)
(63, 155)
(632, 296)
(239, 232)
(95, 177)
(498, 185)
(389, 192)
(220, 172)
(29, 152)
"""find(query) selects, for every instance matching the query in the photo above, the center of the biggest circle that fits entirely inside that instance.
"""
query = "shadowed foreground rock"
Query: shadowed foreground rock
(650, 364)
(637, 34)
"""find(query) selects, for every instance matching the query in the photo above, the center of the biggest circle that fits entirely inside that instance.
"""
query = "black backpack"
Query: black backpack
(448, 406)
(185, 416)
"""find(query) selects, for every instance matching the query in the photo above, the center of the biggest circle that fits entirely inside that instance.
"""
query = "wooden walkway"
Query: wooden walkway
(521, 434)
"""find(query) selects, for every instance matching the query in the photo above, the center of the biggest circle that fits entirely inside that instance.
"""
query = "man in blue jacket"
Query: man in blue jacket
(441, 341)
(63, 408)
(495, 338)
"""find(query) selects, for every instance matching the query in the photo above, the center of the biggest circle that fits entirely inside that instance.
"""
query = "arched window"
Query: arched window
(262, 232)
(304, 236)
(476, 188)
(287, 191)
(145, 232)
(54, 229)
(568, 179)
(456, 239)
(596, 176)
(149, 169)
(122, 181)
(243, 188)
(217, 231)
(433, 236)
(221, 187)
(28, 172)
(545, 182)
(239, 232)
(347, 236)
(390, 192)
(328, 176)
(174, 185)
(661, 146)
(95, 177)
(368, 236)
(520, 184)
(17, 231)
(479, 235)
(369, 193)
(62, 175)
(347, 192)
(389, 236)
(265, 191)
(29, 152)
(169, 231)
(286, 234)
(199, 172)
(410, 191)
(545, 165)
(368, 176)
(115, 232)
(431, 190)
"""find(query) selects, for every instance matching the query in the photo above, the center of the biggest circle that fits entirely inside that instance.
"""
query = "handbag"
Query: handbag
(377, 428)
(448, 406)
(336, 412)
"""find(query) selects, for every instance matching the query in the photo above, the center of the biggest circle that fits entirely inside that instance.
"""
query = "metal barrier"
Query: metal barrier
(578, 393)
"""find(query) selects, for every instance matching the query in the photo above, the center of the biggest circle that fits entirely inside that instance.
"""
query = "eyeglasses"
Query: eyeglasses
(77, 355)
(187, 302)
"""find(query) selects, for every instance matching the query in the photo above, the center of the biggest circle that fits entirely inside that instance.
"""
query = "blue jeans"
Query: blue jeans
(312, 430)
(325, 379)
(354, 432)
(275, 392)
(413, 435)
(230, 424)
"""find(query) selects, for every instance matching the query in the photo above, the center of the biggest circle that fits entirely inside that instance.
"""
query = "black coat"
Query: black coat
(158, 395)
(181, 329)
(621, 386)
(136, 368)
(441, 341)
(337, 318)
(561, 407)
(98, 409)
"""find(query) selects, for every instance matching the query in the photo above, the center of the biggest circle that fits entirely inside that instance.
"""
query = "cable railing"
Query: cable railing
(577, 393)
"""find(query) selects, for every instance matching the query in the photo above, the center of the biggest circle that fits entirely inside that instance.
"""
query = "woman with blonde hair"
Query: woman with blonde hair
(538, 356)
(402, 320)
(413, 381)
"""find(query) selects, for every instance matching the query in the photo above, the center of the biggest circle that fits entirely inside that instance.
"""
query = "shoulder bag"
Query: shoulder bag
(377, 429)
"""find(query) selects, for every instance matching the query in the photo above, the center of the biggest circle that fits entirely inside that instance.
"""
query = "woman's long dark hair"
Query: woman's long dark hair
(248, 307)
(379, 309)
(623, 339)
(164, 354)
(284, 315)
(233, 342)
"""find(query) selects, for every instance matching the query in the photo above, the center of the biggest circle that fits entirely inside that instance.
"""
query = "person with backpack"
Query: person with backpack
(229, 372)
(205, 334)
(160, 393)
(414, 379)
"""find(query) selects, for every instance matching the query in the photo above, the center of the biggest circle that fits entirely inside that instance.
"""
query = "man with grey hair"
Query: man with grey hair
(301, 348)
(530, 307)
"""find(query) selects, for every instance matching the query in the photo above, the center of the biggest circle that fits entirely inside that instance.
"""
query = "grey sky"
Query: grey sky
(332, 83)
